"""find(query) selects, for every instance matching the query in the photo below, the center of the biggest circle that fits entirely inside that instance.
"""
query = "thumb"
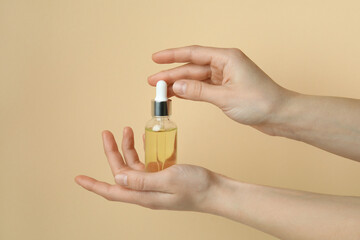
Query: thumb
(199, 91)
(143, 181)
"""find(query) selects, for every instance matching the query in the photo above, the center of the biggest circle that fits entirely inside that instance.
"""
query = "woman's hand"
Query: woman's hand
(179, 187)
(224, 77)
(230, 80)
(282, 213)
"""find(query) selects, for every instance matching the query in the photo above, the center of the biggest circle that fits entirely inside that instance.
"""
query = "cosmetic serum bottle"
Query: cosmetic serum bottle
(160, 133)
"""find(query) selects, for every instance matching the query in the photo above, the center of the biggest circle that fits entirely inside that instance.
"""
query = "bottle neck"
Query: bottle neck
(161, 118)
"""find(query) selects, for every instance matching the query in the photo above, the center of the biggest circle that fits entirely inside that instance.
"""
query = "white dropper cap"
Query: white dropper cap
(161, 91)
(161, 105)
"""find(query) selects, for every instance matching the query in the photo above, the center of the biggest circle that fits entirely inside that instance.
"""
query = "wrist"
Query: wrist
(224, 197)
(285, 112)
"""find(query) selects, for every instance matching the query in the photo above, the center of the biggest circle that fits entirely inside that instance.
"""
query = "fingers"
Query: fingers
(100, 188)
(200, 91)
(153, 200)
(143, 138)
(187, 71)
(194, 54)
(144, 181)
(128, 149)
(112, 153)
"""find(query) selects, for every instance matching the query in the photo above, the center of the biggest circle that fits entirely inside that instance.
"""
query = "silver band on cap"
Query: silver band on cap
(161, 108)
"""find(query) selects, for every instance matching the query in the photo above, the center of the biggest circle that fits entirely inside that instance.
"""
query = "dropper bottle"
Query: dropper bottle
(160, 133)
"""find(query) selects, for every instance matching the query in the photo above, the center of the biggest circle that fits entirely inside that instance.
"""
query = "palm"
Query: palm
(171, 188)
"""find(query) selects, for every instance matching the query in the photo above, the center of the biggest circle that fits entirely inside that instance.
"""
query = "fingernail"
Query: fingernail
(121, 179)
(179, 87)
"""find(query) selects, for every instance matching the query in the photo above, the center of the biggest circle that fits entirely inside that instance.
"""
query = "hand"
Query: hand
(224, 77)
(179, 187)
(283, 213)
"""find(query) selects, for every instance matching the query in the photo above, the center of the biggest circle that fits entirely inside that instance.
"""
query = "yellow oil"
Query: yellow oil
(160, 149)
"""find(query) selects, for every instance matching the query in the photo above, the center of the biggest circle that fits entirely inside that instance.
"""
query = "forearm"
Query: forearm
(285, 213)
(330, 123)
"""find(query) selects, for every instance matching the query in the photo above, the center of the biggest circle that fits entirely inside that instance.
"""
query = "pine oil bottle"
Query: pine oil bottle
(160, 133)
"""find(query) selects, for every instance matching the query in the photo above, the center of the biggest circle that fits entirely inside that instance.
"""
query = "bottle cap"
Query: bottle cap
(161, 105)
(161, 91)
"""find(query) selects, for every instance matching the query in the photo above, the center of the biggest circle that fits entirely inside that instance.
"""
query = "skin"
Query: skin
(228, 79)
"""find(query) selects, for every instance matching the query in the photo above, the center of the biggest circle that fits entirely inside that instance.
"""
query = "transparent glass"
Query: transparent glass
(160, 143)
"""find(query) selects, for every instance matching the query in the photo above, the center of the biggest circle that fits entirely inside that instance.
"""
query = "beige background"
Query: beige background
(69, 69)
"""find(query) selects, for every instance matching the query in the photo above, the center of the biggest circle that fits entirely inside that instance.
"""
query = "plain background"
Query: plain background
(70, 69)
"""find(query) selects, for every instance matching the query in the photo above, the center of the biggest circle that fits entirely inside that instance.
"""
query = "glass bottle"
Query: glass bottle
(160, 133)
